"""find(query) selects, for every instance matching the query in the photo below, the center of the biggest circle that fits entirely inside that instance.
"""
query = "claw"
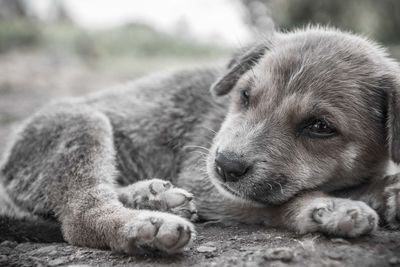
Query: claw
(318, 214)
(353, 213)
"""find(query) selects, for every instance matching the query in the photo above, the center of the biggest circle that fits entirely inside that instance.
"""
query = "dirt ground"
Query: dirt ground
(29, 80)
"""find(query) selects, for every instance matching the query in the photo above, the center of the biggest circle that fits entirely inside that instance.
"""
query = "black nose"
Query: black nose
(230, 167)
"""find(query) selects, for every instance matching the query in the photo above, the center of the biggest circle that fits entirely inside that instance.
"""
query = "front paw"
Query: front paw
(151, 230)
(160, 195)
(344, 217)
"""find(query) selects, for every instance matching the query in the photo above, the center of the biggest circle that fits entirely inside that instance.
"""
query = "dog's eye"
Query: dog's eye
(319, 128)
(245, 97)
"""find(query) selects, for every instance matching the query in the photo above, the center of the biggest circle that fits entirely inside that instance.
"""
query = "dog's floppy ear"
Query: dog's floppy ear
(236, 68)
(393, 122)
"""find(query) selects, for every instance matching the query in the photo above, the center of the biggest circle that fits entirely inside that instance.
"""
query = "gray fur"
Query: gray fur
(85, 162)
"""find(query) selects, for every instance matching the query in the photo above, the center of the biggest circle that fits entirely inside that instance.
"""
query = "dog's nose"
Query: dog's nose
(230, 167)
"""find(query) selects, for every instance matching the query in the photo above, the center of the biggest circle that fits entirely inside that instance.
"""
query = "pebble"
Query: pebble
(58, 261)
(334, 255)
(394, 260)
(49, 250)
(282, 254)
(205, 249)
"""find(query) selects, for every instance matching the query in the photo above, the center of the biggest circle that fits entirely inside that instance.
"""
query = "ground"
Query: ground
(29, 80)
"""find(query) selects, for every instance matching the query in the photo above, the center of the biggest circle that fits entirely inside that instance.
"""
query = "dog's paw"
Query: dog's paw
(151, 230)
(160, 195)
(344, 217)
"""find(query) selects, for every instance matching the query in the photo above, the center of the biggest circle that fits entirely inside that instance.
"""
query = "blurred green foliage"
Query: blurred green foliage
(134, 40)
(18, 33)
(135, 47)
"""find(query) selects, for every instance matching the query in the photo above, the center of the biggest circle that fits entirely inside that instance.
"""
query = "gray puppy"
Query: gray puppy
(300, 135)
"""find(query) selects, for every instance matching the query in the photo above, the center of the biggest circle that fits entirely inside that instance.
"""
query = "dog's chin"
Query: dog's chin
(231, 193)
(271, 200)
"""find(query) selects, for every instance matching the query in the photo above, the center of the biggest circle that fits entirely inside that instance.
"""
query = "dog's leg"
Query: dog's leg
(316, 212)
(62, 163)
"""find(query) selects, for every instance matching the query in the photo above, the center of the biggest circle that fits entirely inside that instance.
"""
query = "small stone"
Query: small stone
(394, 260)
(282, 254)
(58, 261)
(45, 250)
(205, 249)
(340, 241)
(334, 255)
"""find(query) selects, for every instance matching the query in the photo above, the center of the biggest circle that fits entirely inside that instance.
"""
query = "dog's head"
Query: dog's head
(312, 109)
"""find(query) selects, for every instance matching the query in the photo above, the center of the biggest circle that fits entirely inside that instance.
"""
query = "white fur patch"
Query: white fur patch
(392, 168)
(350, 155)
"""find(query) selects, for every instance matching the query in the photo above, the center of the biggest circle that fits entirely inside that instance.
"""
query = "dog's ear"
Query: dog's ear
(239, 65)
(393, 122)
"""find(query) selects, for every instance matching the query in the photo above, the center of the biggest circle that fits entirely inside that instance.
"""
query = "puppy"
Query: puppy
(297, 132)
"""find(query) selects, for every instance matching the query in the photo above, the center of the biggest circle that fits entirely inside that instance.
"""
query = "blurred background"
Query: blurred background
(53, 48)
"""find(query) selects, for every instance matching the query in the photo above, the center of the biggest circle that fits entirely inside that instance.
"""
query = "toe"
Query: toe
(319, 214)
(175, 197)
(158, 186)
(172, 237)
(185, 237)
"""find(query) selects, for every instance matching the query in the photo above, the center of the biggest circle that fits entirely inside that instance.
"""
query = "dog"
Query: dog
(296, 131)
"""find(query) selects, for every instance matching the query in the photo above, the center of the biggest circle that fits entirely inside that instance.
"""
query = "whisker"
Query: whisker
(210, 129)
(199, 152)
(280, 187)
(202, 147)
(270, 186)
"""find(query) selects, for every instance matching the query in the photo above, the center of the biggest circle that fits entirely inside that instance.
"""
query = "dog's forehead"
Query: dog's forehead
(318, 66)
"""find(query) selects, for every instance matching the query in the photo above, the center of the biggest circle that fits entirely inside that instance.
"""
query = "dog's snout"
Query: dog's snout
(230, 167)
